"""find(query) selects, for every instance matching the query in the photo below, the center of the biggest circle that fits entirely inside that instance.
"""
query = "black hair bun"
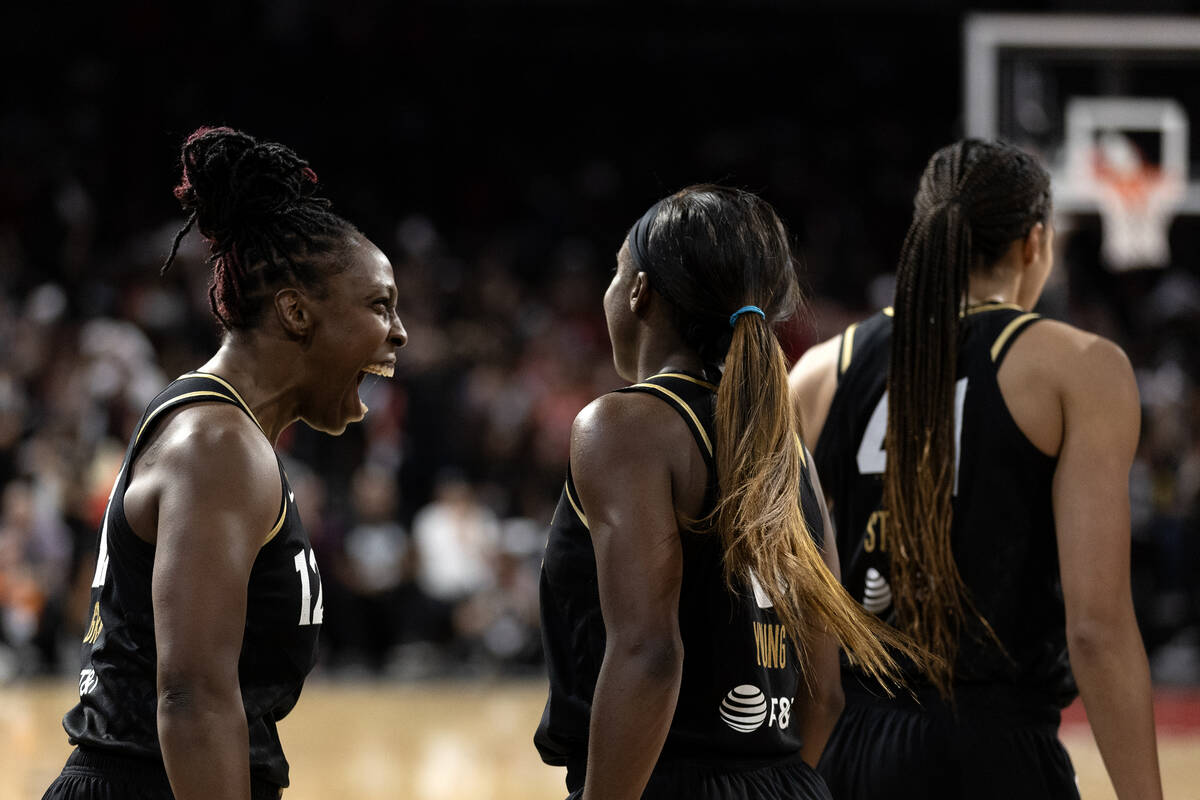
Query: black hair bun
(231, 181)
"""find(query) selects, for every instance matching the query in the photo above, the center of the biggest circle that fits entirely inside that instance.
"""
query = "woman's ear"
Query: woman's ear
(293, 313)
(639, 294)
(1033, 245)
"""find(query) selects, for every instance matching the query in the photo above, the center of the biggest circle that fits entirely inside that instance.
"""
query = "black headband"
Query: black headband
(639, 239)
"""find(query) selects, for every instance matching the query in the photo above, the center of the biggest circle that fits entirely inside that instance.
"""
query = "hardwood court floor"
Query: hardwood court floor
(458, 740)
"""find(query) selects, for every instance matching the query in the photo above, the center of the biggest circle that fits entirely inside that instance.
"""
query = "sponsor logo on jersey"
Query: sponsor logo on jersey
(745, 708)
(877, 595)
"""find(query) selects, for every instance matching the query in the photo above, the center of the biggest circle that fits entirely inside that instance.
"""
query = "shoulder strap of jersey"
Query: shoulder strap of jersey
(573, 498)
(846, 345)
(846, 350)
(685, 393)
(194, 387)
(1008, 334)
(202, 387)
(283, 504)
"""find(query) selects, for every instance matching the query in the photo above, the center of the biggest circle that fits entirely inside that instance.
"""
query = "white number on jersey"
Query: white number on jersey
(872, 458)
(310, 615)
(102, 559)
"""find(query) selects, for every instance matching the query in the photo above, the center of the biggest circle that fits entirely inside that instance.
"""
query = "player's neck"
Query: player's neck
(1000, 287)
(265, 379)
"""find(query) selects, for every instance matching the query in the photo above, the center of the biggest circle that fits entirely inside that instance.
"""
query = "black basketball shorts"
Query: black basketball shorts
(95, 775)
(881, 752)
(695, 780)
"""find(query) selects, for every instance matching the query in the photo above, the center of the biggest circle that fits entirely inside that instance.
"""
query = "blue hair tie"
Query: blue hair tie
(744, 309)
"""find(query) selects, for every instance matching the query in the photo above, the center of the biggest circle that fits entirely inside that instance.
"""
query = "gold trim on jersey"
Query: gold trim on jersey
(847, 353)
(800, 444)
(245, 406)
(279, 524)
(847, 349)
(1008, 331)
(700, 428)
(174, 401)
(712, 387)
(578, 510)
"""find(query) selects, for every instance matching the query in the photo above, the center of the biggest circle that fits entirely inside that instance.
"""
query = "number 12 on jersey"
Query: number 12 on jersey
(310, 614)
(872, 458)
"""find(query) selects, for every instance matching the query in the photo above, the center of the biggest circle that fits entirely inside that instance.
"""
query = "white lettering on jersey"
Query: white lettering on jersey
(872, 458)
(87, 681)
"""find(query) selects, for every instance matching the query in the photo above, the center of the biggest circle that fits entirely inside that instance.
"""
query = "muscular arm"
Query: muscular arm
(820, 714)
(218, 498)
(1091, 511)
(625, 484)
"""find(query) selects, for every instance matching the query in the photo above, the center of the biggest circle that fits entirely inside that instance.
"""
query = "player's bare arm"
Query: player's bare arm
(217, 494)
(1100, 419)
(619, 455)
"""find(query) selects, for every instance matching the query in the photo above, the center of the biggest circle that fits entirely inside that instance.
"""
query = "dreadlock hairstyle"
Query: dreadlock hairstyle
(974, 200)
(709, 250)
(255, 204)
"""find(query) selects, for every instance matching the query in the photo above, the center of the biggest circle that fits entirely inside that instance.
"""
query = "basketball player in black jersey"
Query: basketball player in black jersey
(976, 458)
(207, 599)
(689, 612)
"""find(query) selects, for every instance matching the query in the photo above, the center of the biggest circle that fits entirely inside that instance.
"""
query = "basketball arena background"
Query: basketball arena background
(497, 152)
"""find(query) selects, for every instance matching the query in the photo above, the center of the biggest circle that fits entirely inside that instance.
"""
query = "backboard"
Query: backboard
(1110, 104)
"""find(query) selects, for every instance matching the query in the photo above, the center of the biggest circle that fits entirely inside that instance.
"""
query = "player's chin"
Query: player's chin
(330, 427)
(335, 424)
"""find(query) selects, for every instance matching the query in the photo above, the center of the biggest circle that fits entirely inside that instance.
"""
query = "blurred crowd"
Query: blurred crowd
(430, 517)
(496, 157)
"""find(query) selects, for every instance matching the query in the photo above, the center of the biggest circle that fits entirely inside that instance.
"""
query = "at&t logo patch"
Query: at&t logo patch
(745, 709)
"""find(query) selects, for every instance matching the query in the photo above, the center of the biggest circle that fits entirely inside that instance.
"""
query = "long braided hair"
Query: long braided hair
(256, 205)
(974, 200)
(708, 250)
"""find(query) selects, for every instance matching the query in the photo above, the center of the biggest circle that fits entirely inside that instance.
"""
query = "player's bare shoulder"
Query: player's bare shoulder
(626, 425)
(205, 454)
(1055, 371)
(812, 384)
(1064, 354)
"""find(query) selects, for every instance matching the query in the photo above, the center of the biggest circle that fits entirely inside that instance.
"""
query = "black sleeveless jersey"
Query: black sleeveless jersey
(740, 676)
(284, 609)
(1003, 534)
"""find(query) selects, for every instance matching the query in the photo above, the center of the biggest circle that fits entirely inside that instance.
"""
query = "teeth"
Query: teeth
(384, 369)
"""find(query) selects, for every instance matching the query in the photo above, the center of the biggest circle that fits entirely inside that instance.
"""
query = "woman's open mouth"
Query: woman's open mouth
(384, 368)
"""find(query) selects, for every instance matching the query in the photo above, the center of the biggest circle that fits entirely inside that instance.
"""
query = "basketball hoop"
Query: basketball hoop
(1106, 171)
(1136, 201)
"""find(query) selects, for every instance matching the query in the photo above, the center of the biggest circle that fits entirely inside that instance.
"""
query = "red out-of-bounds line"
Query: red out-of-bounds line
(1176, 711)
